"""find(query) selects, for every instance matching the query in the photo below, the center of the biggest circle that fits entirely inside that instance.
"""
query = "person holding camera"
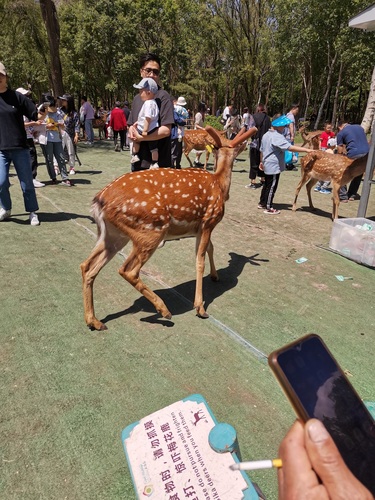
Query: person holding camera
(13, 148)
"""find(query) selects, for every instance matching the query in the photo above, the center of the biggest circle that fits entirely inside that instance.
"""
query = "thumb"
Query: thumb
(330, 466)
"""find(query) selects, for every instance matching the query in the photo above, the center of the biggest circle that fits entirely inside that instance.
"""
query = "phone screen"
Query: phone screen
(319, 389)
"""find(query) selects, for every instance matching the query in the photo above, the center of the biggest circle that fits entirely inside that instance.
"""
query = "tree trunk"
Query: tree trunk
(336, 98)
(51, 22)
(370, 108)
(328, 88)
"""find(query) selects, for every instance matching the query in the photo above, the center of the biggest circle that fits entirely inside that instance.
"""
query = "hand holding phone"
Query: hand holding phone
(317, 388)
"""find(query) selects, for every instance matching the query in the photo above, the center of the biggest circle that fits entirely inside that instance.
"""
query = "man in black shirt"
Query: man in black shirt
(13, 148)
(150, 68)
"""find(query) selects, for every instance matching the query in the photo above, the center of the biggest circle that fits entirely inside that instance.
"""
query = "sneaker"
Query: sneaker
(325, 191)
(72, 171)
(34, 221)
(54, 181)
(117, 149)
(317, 188)
(344, 201)
(262, 207)
(271, 211)
(351, 198)
(4, 214)
(134, 159)
(67, 182)
(38, 184)
(154, 166)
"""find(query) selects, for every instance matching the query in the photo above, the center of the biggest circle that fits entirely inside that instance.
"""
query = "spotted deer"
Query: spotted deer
(154, 206)
(201, 140)
(310, 138)
(100, 123)
(322, 166)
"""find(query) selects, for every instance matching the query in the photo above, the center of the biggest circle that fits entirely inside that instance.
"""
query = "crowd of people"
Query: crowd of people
(154, 130)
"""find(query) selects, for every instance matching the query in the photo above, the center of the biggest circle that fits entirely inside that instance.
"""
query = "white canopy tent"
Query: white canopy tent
(365, 20)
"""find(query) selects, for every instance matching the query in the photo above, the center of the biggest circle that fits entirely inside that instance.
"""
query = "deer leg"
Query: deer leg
(300, 184)
(309, 186)
(335, 200)
(131, 269)
(186, 153)
(203, 242)
(210, 253)
(104, 251)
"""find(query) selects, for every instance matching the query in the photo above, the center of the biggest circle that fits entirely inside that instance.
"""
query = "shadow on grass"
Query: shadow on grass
(180, 299)
(49, 217)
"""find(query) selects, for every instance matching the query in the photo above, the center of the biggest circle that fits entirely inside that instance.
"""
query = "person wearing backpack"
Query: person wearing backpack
(262, 122)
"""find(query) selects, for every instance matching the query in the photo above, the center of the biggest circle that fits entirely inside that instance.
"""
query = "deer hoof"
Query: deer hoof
(202, 314)
(167, 315)
(97, 326)
(215, 277)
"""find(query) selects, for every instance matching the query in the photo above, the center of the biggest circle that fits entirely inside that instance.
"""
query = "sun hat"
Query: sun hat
(147, 84)
(23, 91)
(65, 97)
(3, 71)
(332, 142)
(181, 101)
(281, 121)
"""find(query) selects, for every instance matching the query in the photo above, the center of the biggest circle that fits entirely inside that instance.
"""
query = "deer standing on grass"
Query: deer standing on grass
(200, 140)
(154, 206)
(310, 138)
(321, 166)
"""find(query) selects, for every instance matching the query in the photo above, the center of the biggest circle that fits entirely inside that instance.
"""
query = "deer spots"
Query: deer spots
(136, 190)
(146, 191)
(144, 204)
(185, 195)
(177, 191)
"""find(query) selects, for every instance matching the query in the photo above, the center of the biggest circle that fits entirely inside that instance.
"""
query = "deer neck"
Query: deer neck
(223, 172)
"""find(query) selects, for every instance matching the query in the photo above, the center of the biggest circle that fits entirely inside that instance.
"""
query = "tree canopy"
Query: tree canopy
(247, 51)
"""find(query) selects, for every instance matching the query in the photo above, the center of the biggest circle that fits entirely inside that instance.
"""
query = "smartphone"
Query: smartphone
(317, 387)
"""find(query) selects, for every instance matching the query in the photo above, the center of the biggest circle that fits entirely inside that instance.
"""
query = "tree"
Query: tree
(51, 22)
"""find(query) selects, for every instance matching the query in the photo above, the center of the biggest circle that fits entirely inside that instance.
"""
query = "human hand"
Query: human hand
(308, 454)
(133, 133)
(261, 166)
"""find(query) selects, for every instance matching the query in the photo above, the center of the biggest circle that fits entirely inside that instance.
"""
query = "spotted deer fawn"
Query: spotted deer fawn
(154, 206)
(321, 166)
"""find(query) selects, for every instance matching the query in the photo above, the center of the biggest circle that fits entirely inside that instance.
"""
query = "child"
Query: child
(272, 150)
(147, 120)
(323, 186)
(179, 107)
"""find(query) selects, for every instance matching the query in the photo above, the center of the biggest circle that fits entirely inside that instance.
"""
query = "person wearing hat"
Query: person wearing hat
(148, 120)
(178, 130)
(13, 148)
(29, 124)
(272, 151)
(150, 68)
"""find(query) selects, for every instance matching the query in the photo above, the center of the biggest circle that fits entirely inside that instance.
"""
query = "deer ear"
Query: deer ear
(241, 138)
(215, 136)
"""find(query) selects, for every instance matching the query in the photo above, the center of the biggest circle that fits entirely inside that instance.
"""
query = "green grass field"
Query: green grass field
(68, 392)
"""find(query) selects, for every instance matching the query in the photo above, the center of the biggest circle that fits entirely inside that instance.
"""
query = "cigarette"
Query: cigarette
(258, 464)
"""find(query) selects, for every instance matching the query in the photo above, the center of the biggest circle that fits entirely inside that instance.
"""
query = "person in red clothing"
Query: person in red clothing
(119, 126)
(325, 136)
